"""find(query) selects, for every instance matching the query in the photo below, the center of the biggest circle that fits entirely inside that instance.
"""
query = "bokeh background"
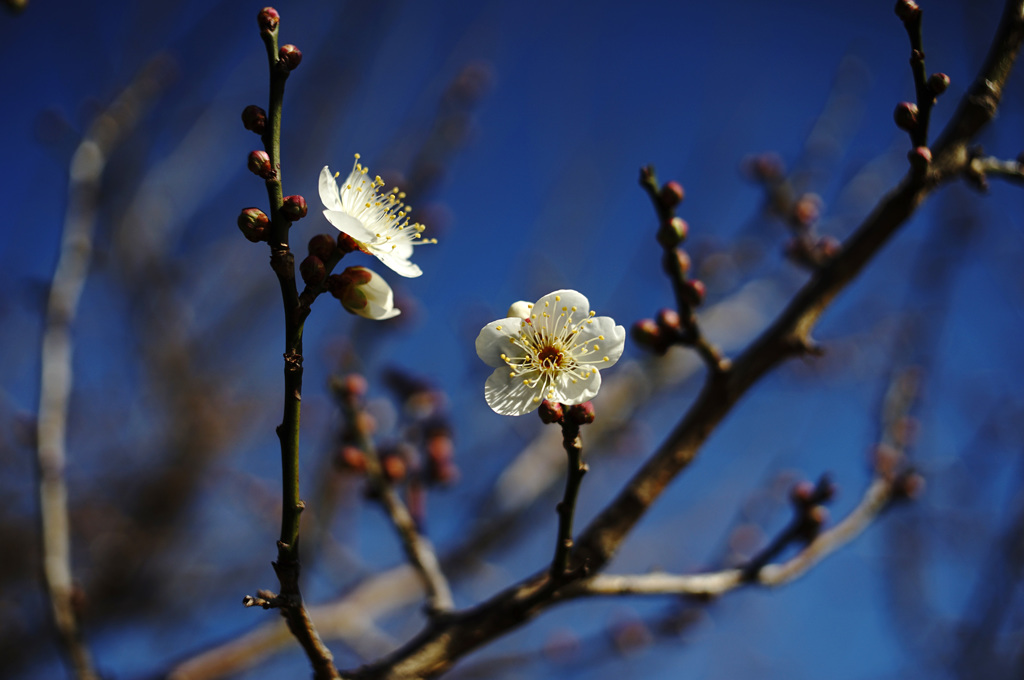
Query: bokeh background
(518, 130)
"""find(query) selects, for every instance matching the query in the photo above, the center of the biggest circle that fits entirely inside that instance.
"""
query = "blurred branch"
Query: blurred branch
(417, 547)
(714, 584)
(86, 172)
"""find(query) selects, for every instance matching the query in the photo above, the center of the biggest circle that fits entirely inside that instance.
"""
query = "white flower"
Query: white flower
(365, 293)
(379, 223)
(549, 350)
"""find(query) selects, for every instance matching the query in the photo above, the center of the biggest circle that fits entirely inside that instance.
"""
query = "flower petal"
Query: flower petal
(380, 299)
(329, 190)
(398, 264)
(564, 300)
(493, 341)
(610, 346)
(510, 396)
(344, 222)
(576, 391)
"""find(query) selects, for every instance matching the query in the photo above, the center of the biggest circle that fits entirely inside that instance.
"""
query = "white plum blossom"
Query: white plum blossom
(367, 294)
(378, 222)
(552, 349)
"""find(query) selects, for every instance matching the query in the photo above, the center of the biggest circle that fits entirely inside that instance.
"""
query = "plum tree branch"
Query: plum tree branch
(442, 642)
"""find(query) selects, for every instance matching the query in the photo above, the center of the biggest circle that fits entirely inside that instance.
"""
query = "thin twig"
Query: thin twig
(714, 584)
(287, 566)
(576, 468)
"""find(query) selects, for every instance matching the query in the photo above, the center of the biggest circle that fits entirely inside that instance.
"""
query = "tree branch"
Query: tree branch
(87, 166)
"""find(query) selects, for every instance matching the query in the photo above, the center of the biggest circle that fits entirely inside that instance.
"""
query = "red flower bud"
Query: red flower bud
(807, 210)
(351, 458)
(580, 414)
(347, 244)
(313, 271)
(268, 19)
(393, 467)
(907, 10)
(293, 208)
(254, 119)
(647, 334)
(550, 412)
(668, 321)
(765, 167)
(259, 164)
(694, 292)
(323, 246)
(938, 83)
(905, 116)
(673, 232)
(290, 57)
(920, 158)
(672, 194)
(253, 224)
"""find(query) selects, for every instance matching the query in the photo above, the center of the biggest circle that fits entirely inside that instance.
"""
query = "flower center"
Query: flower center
(550, 358)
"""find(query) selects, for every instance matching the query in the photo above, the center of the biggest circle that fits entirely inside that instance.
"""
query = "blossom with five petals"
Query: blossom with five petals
(552, 350)
(379, 222)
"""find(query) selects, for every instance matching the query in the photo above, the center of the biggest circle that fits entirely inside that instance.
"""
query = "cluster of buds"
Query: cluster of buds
(426, 427)
(253, 223)
(890, 464)
(572, 416)
(808, 501)
(671, 328)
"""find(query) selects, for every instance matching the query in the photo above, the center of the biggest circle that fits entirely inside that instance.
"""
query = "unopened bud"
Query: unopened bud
(672, 194)
(938, 83)
(313, 271)
(920, 158)
(694, 292)
(351, 458)
(253, 224)
(907, 10)
(910, 485)
(807, 210)
(439, 449)
(673, 232)
(765, 167)
(550, 412)
(293, 208)
(268, 19)
(676, 262)
(355, 384)
(580, 414)
(393, 467)
(254, 118)
(668, 321)
(905, 116)
(323, 246)
(647, 334)
(347, 244)
(259, 164)
(801, 494)
(290, 56)
(826, 248)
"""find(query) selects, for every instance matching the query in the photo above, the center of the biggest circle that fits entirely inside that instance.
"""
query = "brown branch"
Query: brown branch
(287, 566)
(437, 648)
